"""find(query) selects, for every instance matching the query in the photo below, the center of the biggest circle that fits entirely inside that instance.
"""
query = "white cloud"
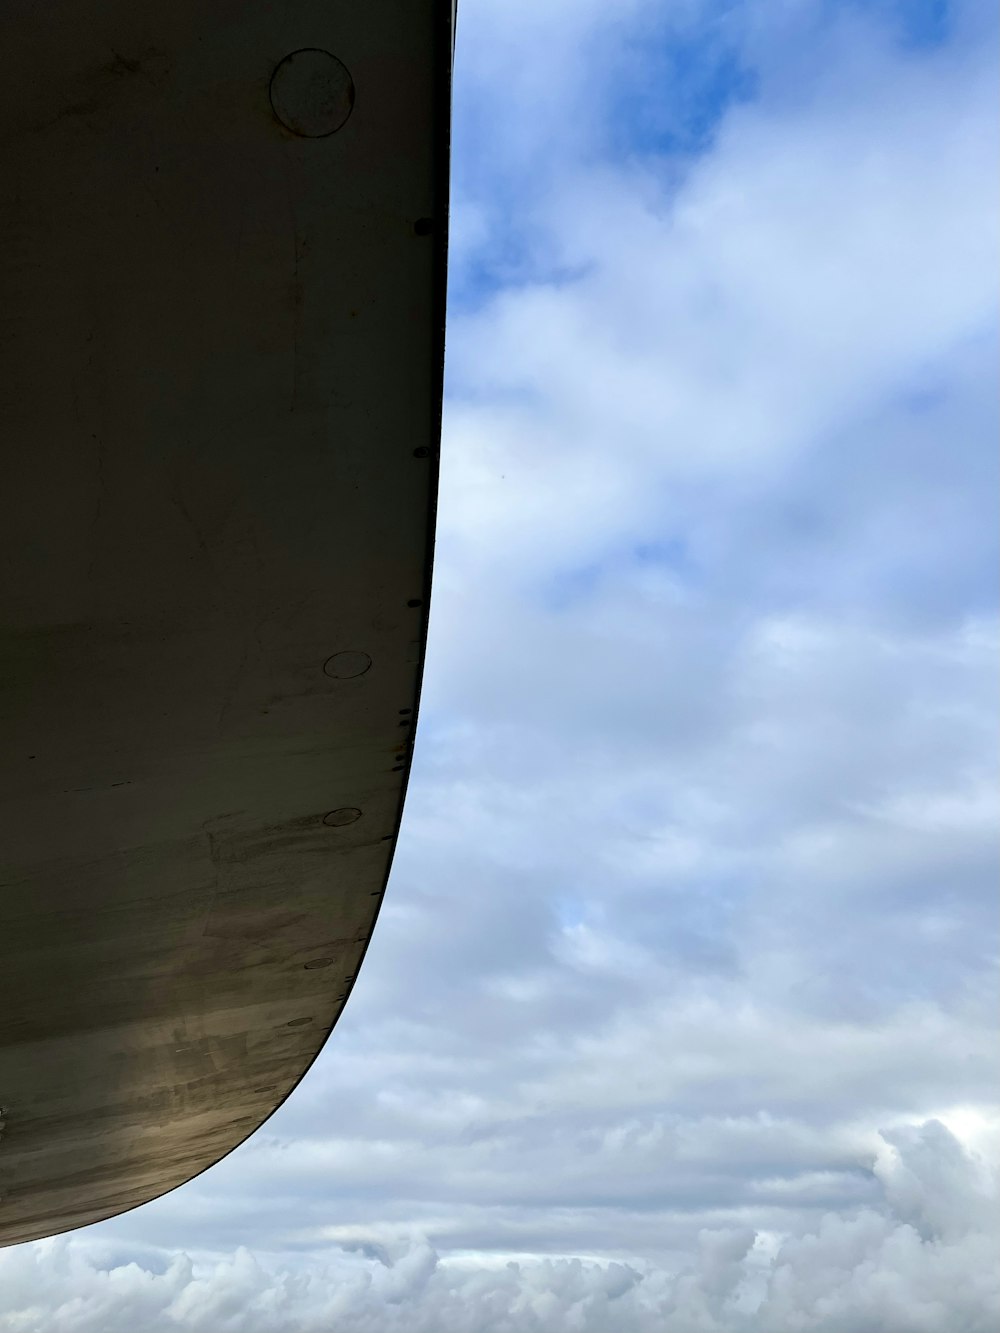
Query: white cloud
(811, 267)
(922, 1263)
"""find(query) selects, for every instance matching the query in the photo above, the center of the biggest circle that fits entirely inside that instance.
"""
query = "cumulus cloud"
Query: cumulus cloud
(921, 1262)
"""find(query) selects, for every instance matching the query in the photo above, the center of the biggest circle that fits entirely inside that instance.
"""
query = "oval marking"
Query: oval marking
(346, 665)
(347, 814)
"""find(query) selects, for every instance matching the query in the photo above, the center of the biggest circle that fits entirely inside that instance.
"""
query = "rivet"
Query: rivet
(346, 665)
(404, 722)
(298, 1022)
(311, 93)
(421, 452)
(414, 601)
(317, 962)
(347, 814)
(386, 837)
(404, 711)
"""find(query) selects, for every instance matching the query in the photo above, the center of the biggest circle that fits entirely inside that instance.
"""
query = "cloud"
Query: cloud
(803, 276)
(922, 1262)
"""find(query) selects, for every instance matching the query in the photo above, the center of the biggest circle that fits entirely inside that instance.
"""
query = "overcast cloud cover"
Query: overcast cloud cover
(679, 1015)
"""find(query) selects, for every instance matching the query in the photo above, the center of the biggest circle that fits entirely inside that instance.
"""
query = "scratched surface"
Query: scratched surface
(220, 381)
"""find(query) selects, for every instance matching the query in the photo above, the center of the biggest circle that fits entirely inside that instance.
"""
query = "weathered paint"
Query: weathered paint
(220, 382)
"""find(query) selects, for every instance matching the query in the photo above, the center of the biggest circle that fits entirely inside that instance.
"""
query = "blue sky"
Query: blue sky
(680, 1012)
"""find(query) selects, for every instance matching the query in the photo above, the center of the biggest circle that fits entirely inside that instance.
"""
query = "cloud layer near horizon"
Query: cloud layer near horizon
(924, 1260)
(682, 999)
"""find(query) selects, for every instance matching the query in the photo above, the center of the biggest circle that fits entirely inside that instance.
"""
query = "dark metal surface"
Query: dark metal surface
(221, 342)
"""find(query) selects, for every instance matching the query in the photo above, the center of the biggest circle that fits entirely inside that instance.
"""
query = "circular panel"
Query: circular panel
(312, 93)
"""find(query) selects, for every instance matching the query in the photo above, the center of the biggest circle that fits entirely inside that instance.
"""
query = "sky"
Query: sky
(679, 1015)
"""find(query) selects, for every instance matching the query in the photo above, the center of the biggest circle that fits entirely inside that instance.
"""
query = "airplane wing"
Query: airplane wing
(222, 288)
